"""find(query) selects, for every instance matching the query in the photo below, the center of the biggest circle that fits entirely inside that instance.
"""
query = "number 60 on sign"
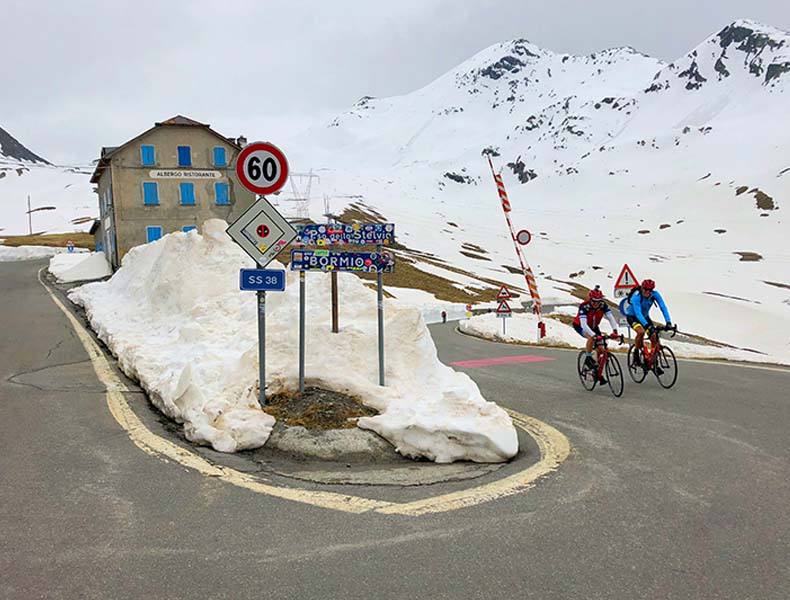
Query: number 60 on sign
(262, 168)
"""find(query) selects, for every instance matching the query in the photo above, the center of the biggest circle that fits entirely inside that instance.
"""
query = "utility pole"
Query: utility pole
(29, 216)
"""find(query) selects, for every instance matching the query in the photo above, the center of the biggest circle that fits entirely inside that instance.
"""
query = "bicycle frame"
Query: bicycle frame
(655, 347)
(603, 354)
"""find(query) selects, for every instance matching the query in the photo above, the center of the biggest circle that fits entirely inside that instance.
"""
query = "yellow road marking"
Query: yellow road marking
(554, 449)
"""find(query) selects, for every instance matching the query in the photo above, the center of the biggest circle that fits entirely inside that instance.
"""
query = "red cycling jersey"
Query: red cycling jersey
(594, 315)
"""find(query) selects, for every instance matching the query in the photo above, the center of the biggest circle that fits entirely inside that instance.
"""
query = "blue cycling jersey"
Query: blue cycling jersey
(639, 307)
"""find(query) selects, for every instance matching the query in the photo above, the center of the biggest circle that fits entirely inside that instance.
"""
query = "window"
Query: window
(189, 228)
(188, 193)
(184, 156)
(221, 193)
(150, 193)
(154, 233)
(219, 157)
(148, 156)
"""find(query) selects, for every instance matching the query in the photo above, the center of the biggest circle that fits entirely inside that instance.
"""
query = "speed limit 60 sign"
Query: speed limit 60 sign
(261, 168)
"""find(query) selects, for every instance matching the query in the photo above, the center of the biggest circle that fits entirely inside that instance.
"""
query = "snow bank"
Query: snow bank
(14, 253)
(175, 318)
(522, 329)
(79, 267)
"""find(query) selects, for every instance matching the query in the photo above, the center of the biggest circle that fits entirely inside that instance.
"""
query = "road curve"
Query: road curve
(679, 493)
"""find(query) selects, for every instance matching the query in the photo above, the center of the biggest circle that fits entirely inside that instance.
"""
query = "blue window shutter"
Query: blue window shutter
(150, 192)
(184, 156)
(189, 228)
(148, 156)
(219, 157)
(154, 233)
(187, 193)
(221, 192)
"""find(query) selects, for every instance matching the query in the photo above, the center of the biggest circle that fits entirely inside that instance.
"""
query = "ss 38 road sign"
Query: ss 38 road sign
(262, 168)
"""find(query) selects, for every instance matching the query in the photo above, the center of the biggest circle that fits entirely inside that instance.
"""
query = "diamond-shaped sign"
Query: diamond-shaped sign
(262, 232)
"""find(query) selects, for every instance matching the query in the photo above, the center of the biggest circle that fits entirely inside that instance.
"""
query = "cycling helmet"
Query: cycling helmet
(596, 295)
(648, 284)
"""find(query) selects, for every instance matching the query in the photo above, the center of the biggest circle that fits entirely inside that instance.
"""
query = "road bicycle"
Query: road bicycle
(658, 358)
(607, 363)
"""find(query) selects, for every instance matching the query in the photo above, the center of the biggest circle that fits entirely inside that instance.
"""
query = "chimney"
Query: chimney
(241, 141)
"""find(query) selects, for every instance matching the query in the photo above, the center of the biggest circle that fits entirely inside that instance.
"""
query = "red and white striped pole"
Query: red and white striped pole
(525, 268)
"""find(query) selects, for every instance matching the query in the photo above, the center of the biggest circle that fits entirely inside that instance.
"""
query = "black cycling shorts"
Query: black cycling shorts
(634, 322)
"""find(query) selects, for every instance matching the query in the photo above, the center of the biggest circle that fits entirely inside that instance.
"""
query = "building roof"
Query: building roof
(182, 120)
(179, 120)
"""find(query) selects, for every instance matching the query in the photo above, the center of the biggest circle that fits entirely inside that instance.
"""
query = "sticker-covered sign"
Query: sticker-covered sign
(339, 234)
(262, 232)
(332, 260)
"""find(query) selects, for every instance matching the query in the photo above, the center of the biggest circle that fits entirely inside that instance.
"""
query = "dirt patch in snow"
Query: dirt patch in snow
(784, 286)
(317, 409)
(749, 256)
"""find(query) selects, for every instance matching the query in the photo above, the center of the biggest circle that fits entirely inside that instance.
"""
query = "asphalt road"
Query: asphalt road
(682, 493)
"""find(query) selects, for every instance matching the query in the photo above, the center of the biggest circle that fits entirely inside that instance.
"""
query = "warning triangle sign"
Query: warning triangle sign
(503, 307)
(627, 279)
(504, 293)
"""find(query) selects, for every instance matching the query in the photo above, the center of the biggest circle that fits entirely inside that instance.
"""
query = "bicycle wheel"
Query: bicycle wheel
(586, 374)
(614, 375)
(637, 373)
(667, 366)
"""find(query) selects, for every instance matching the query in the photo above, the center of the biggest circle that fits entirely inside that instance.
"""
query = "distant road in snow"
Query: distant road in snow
(667, 494)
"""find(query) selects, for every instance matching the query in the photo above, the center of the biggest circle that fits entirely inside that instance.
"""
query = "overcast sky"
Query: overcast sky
(81, 74)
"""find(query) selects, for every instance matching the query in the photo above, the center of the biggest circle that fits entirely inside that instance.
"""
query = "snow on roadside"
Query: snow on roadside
(14, 253)
(176, 320)
(522, 328)
(69, 267)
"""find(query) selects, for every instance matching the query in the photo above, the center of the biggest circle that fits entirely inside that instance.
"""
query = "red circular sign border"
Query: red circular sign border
(529, 239)
(249, 149)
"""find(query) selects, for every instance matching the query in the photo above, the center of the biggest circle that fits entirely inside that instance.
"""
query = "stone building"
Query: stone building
(172, 177)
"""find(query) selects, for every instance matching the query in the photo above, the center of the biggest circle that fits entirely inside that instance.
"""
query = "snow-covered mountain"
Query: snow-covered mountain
(681, 170)
(61, 198)
(11, 149)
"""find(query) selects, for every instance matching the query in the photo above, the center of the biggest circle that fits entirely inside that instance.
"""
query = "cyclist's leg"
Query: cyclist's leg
(588, 345)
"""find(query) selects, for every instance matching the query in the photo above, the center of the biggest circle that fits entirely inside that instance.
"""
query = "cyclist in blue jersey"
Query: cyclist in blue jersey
(636, 309)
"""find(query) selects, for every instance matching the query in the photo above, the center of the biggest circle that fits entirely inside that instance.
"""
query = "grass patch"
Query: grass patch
(317, 409)
(53, 240)
(475, 256)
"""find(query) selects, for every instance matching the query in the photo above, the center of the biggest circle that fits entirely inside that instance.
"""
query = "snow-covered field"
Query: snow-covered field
(14, 253)
(522, 328)
(65, 194)
(176, 320)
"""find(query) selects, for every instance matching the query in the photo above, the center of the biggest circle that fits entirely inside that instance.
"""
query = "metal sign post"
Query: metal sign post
(379, 262)
(380, 291)
(625, 282)
(262, 232)
(301, 332)
(262, 347)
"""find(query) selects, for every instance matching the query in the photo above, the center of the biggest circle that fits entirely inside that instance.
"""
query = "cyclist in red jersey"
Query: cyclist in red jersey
(588, 319)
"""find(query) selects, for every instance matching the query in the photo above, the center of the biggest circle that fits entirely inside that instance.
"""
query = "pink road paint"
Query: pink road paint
(502, 360)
